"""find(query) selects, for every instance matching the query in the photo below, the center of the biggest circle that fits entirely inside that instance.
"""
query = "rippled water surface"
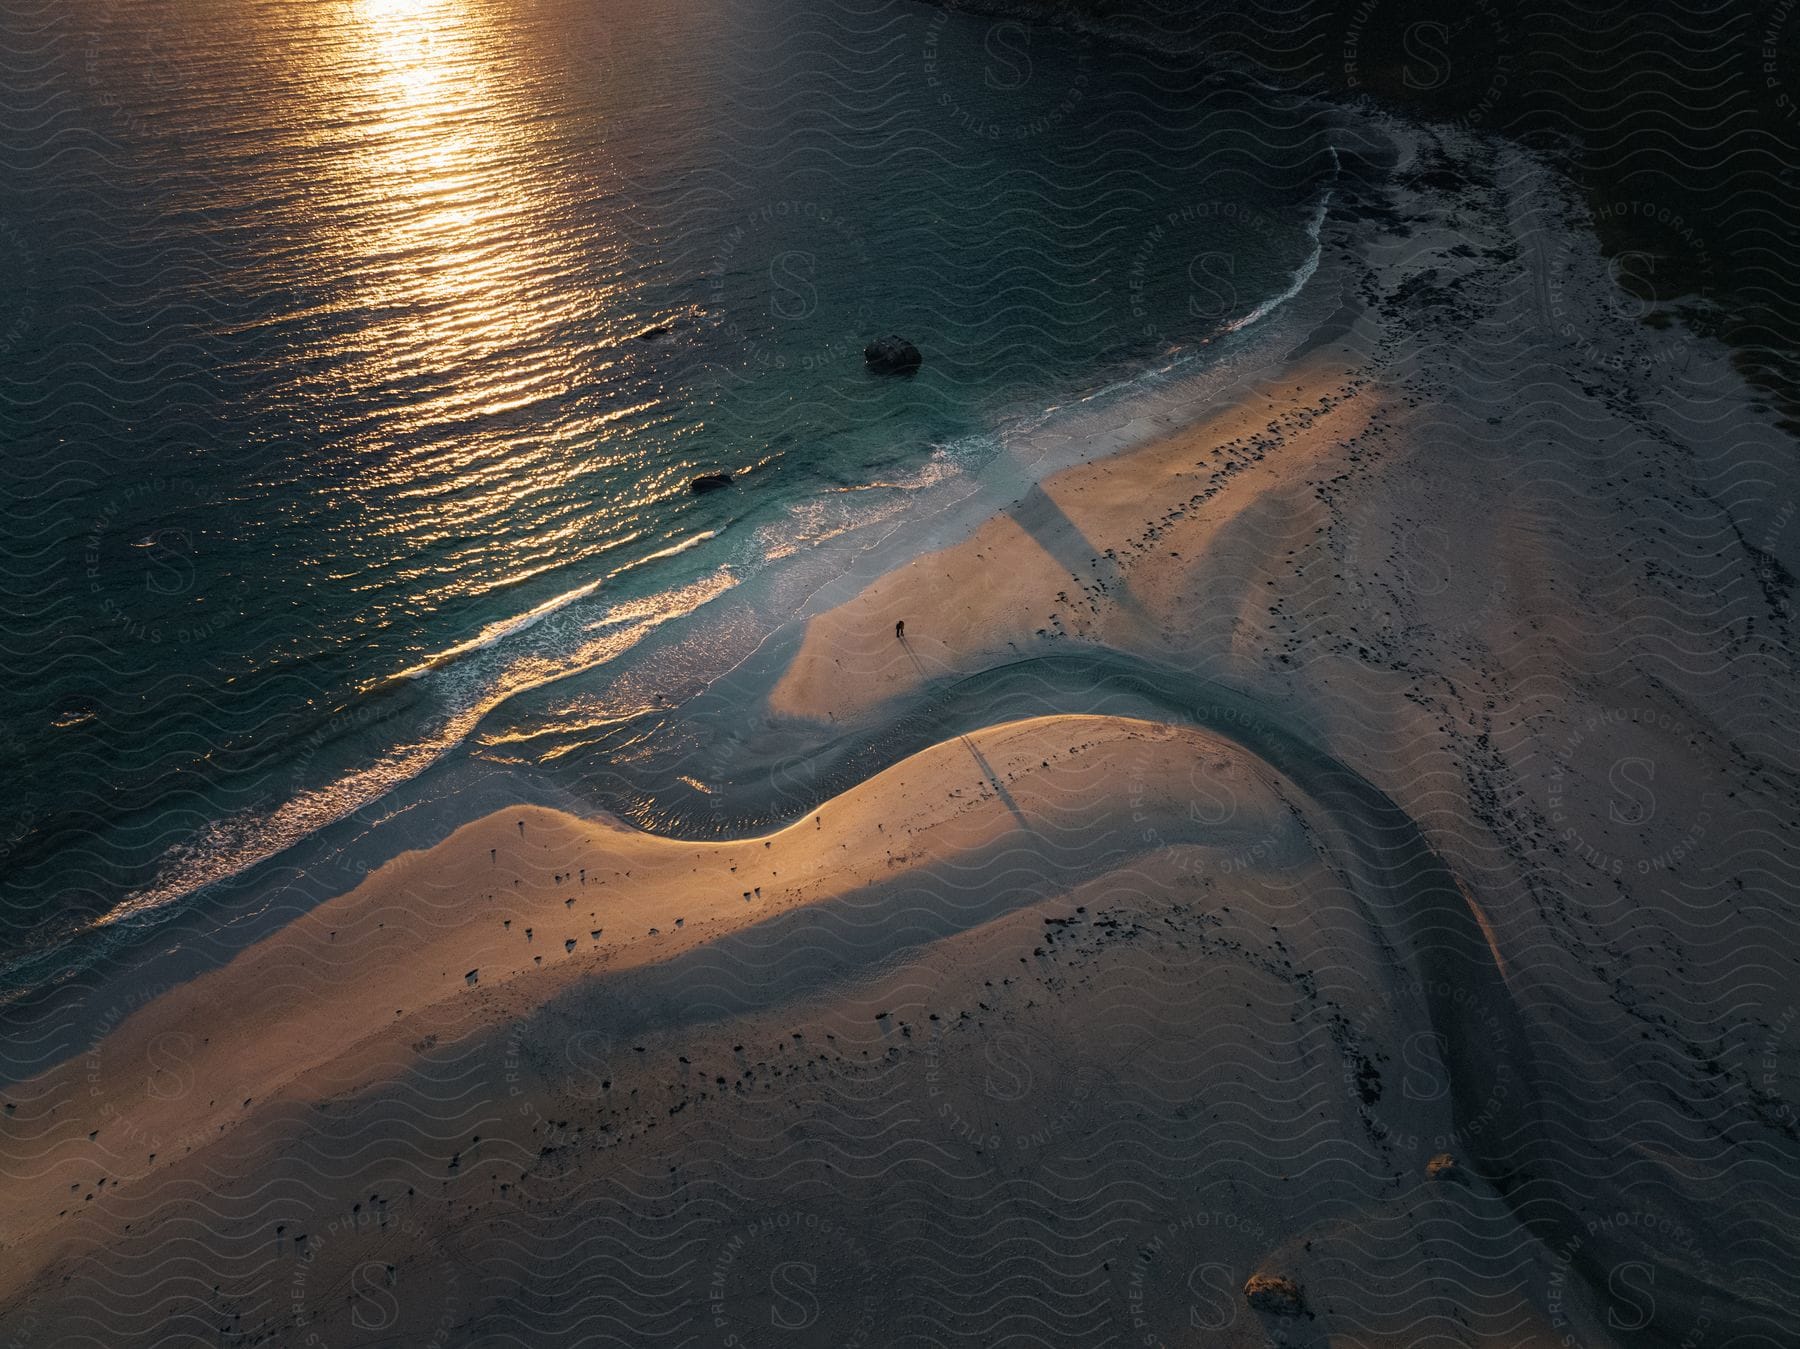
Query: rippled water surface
(359, 356)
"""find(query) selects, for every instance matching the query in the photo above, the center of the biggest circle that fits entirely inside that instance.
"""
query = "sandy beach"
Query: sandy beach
(1342, 841)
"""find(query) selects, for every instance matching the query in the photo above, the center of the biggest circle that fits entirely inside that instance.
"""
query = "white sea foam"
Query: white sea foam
(1304, 272)
(500, 629)
(234, 844)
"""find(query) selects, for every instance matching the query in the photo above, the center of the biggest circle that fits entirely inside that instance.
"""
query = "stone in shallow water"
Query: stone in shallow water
(892, 356)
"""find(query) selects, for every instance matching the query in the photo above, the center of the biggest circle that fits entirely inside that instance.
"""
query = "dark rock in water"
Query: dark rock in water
(892, 356)
(1276, 1295)
(709, 482)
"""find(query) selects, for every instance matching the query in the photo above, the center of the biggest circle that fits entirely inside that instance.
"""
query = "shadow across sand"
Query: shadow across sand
(1409, 896)
(987, 769)
(1049, 526)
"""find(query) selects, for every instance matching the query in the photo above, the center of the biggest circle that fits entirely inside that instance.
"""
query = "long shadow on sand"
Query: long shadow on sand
(1411, 897)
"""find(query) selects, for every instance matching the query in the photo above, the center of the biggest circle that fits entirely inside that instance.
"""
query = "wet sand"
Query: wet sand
(1347, 839)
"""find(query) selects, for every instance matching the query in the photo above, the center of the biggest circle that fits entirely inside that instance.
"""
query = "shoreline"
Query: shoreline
(1307, 542)
(1159, 396)
(176, 826)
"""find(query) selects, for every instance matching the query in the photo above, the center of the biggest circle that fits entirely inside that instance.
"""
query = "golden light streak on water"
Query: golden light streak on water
(439, 221)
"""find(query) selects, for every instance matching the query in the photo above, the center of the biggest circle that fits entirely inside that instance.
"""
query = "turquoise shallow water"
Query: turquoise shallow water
(361, 353)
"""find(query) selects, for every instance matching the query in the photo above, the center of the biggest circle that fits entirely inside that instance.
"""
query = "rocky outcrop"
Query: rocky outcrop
(1276, 1295)
(1443, 1167)
(892, 356)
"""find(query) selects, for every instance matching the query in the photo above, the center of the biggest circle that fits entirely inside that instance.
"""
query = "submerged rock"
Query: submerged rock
(892, 356)
(709, 482)
(1275, 1294)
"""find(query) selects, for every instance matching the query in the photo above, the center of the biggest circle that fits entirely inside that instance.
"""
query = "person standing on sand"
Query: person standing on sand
(900, 629)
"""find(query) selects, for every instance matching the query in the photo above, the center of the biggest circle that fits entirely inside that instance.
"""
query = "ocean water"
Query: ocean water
(358, 355)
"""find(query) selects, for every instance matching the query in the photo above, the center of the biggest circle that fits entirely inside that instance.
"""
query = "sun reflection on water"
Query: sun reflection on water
(446, 233)
(435, 221)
